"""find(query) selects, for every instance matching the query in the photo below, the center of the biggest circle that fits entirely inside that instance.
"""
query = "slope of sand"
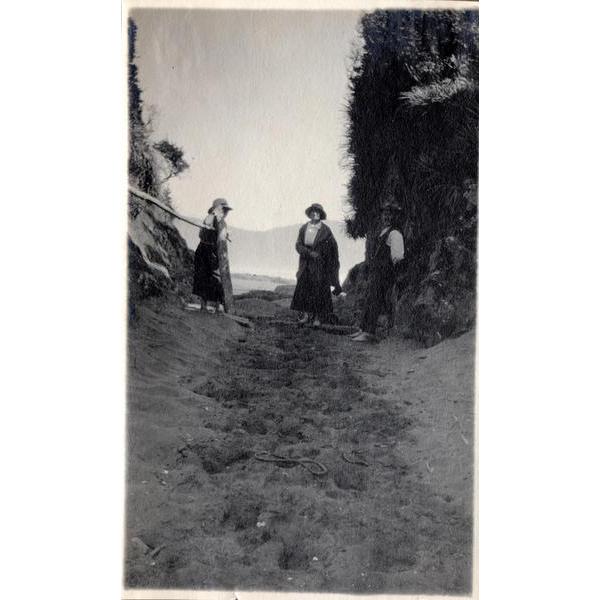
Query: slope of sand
(205, 395)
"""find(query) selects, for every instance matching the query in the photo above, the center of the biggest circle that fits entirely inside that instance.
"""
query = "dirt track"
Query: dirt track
(206, 395)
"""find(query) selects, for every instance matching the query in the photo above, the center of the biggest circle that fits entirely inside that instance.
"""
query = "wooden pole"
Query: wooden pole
(221, 246)
(158, 203)
(224, 266)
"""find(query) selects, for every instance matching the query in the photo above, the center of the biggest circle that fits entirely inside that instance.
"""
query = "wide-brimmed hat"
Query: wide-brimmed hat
(318, 208)
(219, 202)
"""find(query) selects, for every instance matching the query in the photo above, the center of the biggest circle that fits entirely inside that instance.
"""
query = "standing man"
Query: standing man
(383, 269)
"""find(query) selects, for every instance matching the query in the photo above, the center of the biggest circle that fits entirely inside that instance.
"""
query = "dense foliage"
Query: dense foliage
(173, 160)
(413, 113)
(142, 170)
(413, 140)
(158, 256)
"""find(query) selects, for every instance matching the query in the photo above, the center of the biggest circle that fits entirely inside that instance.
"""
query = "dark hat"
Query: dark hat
(318, 208)
(219, 202)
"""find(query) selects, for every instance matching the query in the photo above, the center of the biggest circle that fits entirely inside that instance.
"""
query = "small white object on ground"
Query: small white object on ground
(192, 306)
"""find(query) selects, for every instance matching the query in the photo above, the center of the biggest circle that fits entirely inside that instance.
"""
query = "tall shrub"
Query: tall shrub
(412, 119)
(412, 139)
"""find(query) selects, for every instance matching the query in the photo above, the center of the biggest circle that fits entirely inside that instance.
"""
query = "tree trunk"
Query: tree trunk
(224, 266)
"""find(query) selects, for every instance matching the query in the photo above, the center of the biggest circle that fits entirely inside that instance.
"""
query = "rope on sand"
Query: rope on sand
(286, 461)
(357, 461)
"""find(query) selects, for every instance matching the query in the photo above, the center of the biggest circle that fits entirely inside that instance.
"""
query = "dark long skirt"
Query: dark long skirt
(312, 293)
(207, 278)
(379, 284)
(382, 276)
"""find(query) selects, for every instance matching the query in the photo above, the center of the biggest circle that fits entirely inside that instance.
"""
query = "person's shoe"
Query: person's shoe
(364, 337)
(303, 320)
(355, 334)
(210, 309)
(193, 306)
(316, 323)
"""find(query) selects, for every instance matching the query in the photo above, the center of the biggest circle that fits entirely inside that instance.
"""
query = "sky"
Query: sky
(256, 99)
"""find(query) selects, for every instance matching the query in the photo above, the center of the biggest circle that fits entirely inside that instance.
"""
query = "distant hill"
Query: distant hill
(272, 252)
(243, 283)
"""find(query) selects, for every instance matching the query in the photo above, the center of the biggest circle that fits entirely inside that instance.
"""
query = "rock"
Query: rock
(159, 260)
(443, 303)
(138, 547)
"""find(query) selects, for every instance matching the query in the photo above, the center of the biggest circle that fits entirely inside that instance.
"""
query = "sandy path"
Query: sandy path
(206, 396)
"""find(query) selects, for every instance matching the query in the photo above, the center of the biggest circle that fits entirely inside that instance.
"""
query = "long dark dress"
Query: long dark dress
(207, 278)
(316, 275)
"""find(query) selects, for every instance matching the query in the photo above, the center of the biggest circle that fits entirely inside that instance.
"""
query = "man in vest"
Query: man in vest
(383, 269)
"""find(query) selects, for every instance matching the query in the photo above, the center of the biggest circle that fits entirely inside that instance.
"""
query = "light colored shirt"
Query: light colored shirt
(396, 243)
(208, 222)
(311, 233)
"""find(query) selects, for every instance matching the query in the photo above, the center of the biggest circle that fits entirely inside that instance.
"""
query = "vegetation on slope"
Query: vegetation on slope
(413, 140)
(159, 260)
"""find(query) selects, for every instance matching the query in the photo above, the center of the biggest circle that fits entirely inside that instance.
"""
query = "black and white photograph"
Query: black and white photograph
(302, 248)
(299, 303)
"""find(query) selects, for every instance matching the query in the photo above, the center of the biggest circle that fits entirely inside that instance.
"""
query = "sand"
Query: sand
(206, 395)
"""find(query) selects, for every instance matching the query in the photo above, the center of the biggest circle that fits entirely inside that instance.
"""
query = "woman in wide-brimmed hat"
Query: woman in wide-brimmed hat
(207, 276)
(318, 269)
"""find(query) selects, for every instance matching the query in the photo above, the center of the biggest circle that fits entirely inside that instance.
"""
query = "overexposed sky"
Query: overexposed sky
(256, 99)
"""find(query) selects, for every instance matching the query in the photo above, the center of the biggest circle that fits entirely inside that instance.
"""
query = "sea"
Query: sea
(243, 283)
